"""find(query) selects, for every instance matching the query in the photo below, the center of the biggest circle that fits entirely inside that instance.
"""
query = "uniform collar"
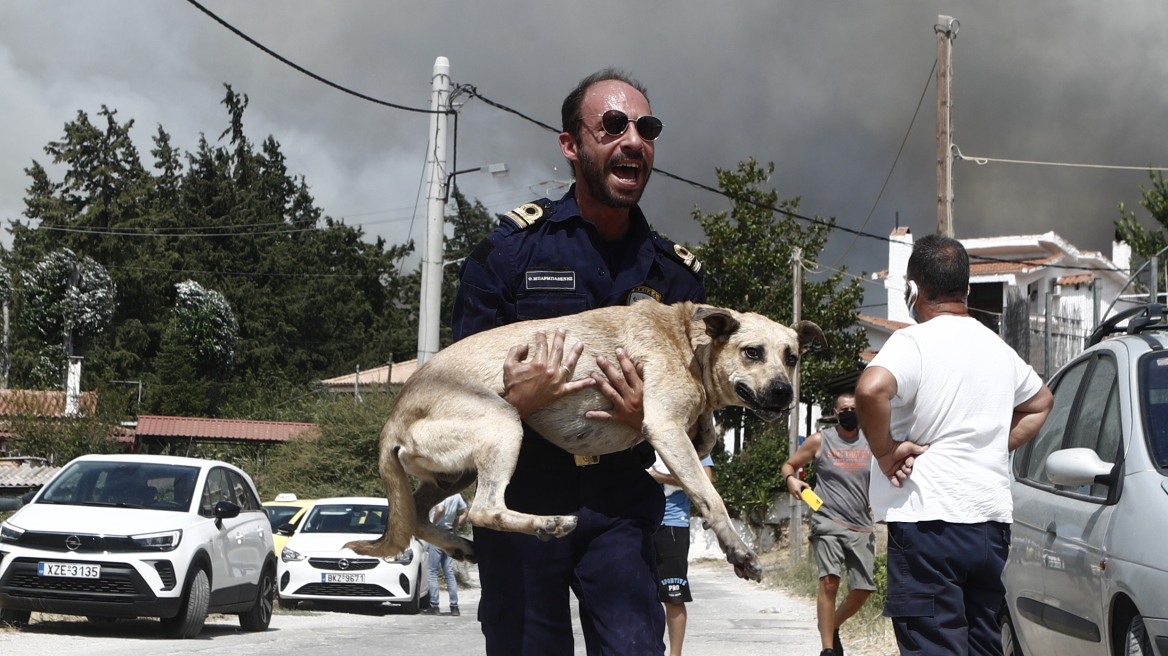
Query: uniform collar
(566, 208)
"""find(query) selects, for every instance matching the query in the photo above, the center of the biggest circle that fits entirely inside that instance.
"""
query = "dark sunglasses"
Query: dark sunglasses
(615, 122)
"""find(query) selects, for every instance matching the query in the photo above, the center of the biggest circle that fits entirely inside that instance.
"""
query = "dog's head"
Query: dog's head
(752, 359)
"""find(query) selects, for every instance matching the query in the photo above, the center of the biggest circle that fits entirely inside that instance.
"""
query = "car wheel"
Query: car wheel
(1010, 646)
(1135, 641)
(10, 617)
(412, 606)
(193, 612)
(260, 615)
(289, 604)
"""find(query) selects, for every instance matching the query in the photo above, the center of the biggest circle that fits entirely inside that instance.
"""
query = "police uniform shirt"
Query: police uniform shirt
(545, 261)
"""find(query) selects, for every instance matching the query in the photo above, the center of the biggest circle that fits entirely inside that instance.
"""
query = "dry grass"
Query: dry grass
(868, 633)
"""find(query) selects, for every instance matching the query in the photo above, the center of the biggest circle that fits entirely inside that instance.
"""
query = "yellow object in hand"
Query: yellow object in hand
(812, 499)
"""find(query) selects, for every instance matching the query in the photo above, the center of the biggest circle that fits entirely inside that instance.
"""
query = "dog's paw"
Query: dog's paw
(465, 555)
(556, 527)
(745, 563)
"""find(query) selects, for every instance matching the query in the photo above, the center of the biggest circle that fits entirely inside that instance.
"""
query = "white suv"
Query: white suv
(135, 535)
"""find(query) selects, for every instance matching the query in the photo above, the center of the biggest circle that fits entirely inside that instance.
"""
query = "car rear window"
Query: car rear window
(124, 484)
(1154, 399)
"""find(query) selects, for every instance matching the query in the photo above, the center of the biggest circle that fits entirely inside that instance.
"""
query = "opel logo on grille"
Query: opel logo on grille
(73, 542)
(343, 563)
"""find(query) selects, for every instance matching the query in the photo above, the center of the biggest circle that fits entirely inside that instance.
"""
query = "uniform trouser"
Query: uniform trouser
(440, 560)
(608, 561)
(945, 586)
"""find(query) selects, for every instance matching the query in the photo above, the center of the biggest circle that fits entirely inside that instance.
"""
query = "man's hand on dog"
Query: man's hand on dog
(532, 384)
(623, 387)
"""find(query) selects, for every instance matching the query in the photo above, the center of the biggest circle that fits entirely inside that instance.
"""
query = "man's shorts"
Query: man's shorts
(672, 544)
(837, 546)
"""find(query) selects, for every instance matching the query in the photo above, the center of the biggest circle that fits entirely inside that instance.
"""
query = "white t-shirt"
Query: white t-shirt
(957, 384)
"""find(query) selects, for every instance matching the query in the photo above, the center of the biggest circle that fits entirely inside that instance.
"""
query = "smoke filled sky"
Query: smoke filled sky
(825, 90)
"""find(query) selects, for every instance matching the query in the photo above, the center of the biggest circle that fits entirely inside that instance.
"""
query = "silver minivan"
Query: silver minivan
(1088, 565)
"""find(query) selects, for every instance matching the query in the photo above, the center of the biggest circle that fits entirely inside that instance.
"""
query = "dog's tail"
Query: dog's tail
(402, 522)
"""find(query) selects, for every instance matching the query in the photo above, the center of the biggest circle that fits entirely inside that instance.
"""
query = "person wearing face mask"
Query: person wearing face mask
(841, 531)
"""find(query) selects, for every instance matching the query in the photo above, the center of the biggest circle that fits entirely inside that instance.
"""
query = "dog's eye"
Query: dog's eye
(792, 359)
(753, 353)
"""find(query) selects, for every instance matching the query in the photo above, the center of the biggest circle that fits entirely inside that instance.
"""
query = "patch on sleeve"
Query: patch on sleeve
(480, 252)
(641, 293)
(550, 280)
(525, 215)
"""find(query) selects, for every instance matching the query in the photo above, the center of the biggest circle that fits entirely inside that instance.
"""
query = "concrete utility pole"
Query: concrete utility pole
(946, 29)
(429, 307)
(796, 523)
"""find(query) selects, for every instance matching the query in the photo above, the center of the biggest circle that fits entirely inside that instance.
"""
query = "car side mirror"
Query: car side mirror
(1075, 467)
(286, 529)
(226, 510)
(27, 497)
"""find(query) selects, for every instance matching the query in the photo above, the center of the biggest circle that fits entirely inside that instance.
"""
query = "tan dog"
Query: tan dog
(449, 420)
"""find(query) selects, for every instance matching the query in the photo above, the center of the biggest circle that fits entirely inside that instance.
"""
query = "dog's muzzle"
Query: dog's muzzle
(769, 405)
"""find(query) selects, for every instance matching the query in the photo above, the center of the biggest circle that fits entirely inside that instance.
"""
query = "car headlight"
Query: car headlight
(164, 541)
(9, 533)
(404, 557)
(288, 556)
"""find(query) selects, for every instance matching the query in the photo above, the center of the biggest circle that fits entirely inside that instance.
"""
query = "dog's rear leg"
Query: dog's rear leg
(495, 459)
(426, 497)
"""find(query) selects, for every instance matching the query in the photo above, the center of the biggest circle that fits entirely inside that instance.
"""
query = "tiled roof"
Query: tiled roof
(43, 403)
(25, 475)
(867, 355)
(376, 376)
(221, 429)
(1076, 279)
(890, 325)
(901, 231)
(990, 268)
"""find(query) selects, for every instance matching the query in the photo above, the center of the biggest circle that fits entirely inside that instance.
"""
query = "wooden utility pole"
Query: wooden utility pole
(796, 522)
(946, 29)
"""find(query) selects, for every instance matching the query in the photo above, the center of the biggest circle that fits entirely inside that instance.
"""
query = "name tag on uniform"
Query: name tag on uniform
(557, 280)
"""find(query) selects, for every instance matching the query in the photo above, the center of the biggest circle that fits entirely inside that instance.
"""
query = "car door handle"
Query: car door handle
(1051, 529)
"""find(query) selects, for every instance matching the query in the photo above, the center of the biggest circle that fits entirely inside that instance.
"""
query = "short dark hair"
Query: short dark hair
(940, 266)
(572, 109)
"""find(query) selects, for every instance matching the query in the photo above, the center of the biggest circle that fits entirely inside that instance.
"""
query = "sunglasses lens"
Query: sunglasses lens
(614, 122)
(649, 127)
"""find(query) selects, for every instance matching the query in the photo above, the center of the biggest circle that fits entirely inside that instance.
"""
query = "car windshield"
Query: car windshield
(1154, 398)
(345, 518)
(124, 485)
(281, 515)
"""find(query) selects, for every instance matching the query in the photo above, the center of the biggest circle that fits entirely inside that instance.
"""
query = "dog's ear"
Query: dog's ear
(810, 335)
(719, 322)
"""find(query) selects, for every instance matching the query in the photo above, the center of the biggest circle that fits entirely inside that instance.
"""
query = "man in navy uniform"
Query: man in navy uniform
(592, 248)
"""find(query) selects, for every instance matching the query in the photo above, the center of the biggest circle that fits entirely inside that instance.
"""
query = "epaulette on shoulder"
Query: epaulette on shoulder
(527, 215)
(679, 253)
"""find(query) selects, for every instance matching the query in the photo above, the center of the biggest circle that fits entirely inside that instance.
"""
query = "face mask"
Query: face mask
(848, 420)
(910, 297)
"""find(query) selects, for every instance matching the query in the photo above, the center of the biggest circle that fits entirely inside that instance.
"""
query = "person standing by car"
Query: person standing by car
(592, 248)
(943, 404)
(841, 531)
(446, 515)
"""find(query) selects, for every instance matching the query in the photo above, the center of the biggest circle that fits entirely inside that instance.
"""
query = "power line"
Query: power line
(892, 168)
(982, 161)
(307, 72)
(472, 91)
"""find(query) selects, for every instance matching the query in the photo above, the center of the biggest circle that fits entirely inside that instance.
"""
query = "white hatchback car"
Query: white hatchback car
(141, 536)
(1087, 573)
(315, 566)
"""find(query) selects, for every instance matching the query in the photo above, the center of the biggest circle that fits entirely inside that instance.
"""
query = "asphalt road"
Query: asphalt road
(728, 617)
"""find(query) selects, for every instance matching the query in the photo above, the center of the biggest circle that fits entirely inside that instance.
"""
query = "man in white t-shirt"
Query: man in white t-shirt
(942, 405)
(446, 515)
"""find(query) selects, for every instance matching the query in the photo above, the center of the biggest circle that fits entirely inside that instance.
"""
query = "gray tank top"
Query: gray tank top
(842, 472)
